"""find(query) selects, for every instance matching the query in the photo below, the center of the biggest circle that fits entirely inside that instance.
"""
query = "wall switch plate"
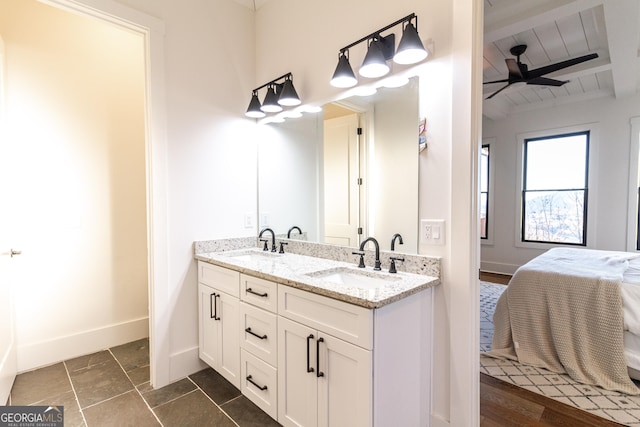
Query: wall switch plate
(264, 219)
(432, 231)
(249, 220)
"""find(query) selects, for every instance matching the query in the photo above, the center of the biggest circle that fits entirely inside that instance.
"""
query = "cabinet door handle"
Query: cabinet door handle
(251, 291)
(263, 388)
(212, 303)
(215, 304)
(309, 368)
(318, 374)
(262, 337)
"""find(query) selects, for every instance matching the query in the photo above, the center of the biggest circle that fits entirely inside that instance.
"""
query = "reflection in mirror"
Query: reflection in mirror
(309, 170)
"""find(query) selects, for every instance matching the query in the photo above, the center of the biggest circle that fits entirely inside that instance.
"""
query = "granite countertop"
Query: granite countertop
(298, 271)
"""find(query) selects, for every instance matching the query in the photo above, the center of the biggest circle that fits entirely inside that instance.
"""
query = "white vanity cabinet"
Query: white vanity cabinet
(218, 311)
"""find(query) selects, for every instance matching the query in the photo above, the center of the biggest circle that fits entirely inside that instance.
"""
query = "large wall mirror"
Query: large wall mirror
(319, 173)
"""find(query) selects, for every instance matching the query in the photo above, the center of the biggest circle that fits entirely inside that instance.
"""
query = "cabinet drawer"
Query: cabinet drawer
(259, 333)
(223, 279)
(342, 320)
(260, 383)
(259, 292)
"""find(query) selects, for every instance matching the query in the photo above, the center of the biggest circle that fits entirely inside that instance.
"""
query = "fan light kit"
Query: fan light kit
(278, 95)
(380, 50)
(520, 73)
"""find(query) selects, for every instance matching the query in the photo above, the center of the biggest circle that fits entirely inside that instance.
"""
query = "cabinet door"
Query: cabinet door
(345, 384)
(297, 382)
(208, 331)
(228, 311)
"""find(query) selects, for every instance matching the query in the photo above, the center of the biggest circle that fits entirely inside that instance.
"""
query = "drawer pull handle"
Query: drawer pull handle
(263, 388)
(318, 374)
(309, 368)
(251, 291)
(262, 337)
(215, 306)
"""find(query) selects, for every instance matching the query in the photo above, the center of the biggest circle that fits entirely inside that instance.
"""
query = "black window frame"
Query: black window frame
(486, 222)
(587, 134)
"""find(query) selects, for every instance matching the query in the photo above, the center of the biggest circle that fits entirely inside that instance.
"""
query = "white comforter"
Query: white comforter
(630, 290)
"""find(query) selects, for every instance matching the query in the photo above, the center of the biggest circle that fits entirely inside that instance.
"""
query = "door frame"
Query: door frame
(152, 31)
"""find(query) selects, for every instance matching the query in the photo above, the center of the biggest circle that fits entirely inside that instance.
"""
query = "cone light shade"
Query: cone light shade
(343, 76)
(254, 110)
(410, 49)
(374, 64)
(270, 103)
(288, 96)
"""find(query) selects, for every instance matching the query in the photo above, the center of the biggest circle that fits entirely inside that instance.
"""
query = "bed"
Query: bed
(574, 311)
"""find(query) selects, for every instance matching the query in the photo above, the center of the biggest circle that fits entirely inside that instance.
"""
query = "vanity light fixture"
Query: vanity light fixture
(380, 50)
(280, 92)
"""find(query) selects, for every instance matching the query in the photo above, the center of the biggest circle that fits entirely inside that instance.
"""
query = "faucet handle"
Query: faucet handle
(266, 247)
(282, 247)
(392, 267)
(361, 264)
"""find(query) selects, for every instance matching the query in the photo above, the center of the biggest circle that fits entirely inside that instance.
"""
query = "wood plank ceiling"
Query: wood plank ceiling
(554, 31)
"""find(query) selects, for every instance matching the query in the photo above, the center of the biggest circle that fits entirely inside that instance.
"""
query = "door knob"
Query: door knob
(15, 252)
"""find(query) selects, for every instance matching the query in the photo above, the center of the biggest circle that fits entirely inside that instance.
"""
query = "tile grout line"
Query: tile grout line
(218, 406)
(136, 389)
(75, 394)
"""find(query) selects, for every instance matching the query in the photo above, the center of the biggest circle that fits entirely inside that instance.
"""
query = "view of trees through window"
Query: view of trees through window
(554, 195)
(484, 191)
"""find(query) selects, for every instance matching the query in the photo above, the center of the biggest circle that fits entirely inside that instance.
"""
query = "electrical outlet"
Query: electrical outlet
(264, 219)
(249, 220)
(432, 231)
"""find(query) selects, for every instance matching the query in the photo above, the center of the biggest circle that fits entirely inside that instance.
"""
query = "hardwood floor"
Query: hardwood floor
(505, 405)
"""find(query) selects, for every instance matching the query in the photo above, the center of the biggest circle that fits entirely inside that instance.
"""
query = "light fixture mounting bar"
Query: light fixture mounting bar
(284, 76)
(377, 33)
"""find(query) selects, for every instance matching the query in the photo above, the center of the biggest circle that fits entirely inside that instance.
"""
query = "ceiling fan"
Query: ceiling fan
(520, 73)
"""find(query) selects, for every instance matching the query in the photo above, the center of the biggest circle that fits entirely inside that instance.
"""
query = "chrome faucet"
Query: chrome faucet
(375, 242)
(273, 239)
(393, 241)
(295, 227)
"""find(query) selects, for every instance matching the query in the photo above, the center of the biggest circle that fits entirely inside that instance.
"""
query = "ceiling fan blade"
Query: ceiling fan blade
(546, 81)
(498, 91)
(560, 65)
(514, 68)
(496, 81)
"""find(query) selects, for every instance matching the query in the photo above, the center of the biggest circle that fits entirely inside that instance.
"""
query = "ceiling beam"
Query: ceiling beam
(623, 32)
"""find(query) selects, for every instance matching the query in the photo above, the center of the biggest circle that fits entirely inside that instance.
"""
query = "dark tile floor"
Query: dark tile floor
(111, 388)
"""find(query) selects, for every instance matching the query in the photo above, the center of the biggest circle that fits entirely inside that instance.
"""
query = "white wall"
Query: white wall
(74, 149)
(609, 175)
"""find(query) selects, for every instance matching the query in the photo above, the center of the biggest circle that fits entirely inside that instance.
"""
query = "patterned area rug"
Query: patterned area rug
(612, 405)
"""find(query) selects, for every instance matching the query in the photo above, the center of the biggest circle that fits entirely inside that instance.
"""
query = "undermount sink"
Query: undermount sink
(253, 255)
(354, 278)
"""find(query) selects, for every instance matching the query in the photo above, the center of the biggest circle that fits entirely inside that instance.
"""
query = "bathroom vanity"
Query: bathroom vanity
(318, 342)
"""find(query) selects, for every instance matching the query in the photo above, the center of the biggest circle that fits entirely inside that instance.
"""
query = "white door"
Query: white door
(297, 381)
(208, 326)
(341, 173)
(345, 386)
(8, 361)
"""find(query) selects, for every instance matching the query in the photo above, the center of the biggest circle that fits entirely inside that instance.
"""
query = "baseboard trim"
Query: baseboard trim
(43, 353)
(498, 268)
(437, 421)
(185, 363)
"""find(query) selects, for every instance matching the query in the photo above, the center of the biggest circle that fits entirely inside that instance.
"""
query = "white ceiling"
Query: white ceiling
(554, 31)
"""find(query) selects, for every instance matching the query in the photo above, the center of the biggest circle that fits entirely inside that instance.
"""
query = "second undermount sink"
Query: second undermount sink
(354, 278)
(253, 255)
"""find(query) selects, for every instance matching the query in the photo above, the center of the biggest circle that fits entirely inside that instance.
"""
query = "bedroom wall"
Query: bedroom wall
(609, 175)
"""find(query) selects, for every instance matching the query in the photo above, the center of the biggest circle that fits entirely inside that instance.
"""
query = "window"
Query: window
(484, 191)
(554, 189)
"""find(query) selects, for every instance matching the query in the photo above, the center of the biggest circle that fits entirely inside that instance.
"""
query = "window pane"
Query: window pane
(556, 163)
(484, 168)
(483, 215)
(554, 216)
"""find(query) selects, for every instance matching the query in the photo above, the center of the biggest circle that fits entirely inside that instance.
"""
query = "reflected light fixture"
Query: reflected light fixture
(279, 93)
(380, 50)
